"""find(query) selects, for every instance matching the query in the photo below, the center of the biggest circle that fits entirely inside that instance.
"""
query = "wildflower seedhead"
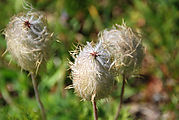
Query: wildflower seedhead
(125, 48)
(28, 40)
(90, 73)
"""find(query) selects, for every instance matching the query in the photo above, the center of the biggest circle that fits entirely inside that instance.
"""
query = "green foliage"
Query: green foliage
(75, 22)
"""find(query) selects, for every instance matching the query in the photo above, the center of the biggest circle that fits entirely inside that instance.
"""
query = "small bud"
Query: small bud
(90, 73)
(125, 48)
(28, 40)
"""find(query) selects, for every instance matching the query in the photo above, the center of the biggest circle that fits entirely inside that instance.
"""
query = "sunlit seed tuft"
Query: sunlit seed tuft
(90, 73)
(28, 40)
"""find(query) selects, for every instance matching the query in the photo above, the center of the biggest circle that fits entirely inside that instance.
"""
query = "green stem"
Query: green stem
(121, 98)
(95, 113)
(34, 82)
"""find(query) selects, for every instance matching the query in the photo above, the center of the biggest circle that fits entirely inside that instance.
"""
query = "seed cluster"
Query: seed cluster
(28, 40)
(90, 72)
(125, 48)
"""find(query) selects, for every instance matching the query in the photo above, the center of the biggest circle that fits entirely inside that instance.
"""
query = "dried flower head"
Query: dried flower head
(28, 40)
(90, 73)
(125, 48)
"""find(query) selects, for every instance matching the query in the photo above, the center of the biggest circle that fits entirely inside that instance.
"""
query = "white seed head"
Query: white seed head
(90, 73)
(28, 40)
(125, 48)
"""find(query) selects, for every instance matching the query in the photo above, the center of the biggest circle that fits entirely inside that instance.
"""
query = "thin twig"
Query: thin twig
(121, 97)
(95, 110)
(34, 82)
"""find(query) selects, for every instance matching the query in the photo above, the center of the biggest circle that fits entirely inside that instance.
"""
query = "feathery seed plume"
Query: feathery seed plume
(28, 40)
(90, 73)
(125, 48)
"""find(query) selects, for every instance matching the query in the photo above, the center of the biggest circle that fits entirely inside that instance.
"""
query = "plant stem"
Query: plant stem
(121, 97)
(95, 113)
(34, 82)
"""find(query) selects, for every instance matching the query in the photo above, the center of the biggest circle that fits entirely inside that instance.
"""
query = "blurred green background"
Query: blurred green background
(151, 95)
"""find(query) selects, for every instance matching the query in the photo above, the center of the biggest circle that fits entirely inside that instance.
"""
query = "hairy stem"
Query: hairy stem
(121, 97)
(95, 112)
(34, 82)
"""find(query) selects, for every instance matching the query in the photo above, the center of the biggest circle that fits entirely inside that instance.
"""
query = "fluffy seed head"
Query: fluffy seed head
(90, 73)
(125, 48)
(28, 40)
